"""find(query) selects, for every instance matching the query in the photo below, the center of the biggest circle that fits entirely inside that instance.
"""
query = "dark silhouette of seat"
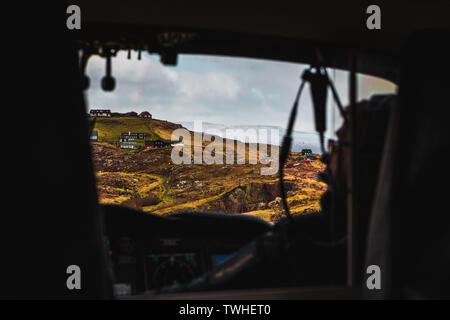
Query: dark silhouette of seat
(409, 235)
(55, 221)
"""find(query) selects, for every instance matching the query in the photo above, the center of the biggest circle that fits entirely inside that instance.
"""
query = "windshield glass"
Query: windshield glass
(204, 135)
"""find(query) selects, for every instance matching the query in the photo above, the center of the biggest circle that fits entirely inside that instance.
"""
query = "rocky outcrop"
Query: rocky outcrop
(234, 201)
(250, 197)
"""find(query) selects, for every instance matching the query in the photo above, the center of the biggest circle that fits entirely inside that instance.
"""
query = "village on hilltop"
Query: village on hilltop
(108, 113)
(127, 140)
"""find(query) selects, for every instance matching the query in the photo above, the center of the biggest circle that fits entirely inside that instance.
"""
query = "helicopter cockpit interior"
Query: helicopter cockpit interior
(376, 195)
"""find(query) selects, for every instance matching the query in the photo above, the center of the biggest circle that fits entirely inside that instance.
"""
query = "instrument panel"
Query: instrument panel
(148, 252)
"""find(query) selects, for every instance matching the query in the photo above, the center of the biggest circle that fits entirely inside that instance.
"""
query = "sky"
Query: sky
(222, 90)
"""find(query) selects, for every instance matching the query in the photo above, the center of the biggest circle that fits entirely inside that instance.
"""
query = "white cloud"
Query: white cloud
(209, 86)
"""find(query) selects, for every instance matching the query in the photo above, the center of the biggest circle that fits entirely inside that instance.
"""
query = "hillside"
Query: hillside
(148, 179)
(109, 129)
(300, 140)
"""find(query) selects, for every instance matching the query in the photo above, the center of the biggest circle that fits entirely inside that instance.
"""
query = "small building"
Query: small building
(130, 114)
(127, 136)
(128, 145)
(100, 113)
(94, 135)
(156, 143)
(145, 114)
(162, 143)
(309, 154)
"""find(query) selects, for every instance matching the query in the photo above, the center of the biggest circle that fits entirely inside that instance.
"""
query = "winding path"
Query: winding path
(164, 184)
(161, 183)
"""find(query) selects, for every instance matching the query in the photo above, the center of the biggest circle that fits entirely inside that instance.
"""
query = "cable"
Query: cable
(335, 96)
(286, 147)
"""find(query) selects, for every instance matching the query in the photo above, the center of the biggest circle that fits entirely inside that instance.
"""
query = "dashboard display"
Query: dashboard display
(170, 269)
(220, 258)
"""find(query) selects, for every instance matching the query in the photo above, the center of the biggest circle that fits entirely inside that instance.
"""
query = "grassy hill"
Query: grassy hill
(109, 129)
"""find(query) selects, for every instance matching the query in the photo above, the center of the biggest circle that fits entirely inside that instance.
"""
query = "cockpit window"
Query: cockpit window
(205, 135)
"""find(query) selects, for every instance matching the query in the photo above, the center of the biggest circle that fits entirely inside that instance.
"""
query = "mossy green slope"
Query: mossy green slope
(109, 129)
